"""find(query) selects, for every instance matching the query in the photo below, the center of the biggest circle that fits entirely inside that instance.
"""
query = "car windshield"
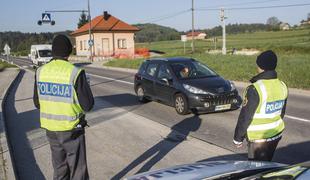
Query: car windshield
(288, 173)
(45, 53)
(281, 173)
(191, 69)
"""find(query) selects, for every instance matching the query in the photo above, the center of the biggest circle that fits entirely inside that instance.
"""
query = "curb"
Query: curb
(3, 117)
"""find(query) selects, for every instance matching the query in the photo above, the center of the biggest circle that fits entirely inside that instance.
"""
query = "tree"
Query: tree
(273, 21)
(83, 20)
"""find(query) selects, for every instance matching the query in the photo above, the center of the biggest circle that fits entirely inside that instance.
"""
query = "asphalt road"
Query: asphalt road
(116, 88)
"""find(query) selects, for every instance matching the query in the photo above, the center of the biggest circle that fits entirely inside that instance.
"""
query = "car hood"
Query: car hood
(204, 169)
(213, 85)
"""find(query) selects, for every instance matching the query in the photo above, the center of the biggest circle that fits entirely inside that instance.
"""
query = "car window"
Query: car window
(151, 69)
(45, 53)
(142, 68)
(164, 72)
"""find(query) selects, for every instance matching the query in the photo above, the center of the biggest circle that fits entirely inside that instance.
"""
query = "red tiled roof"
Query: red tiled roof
(195, 33)
(100, 24)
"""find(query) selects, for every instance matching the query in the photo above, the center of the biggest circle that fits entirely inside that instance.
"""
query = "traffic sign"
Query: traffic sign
(7, 49)
(46, 17)
(183, 38)
(90, 42)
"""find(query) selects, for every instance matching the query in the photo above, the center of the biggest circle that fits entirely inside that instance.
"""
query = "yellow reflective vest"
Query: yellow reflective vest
(59, 106)
(267, 121)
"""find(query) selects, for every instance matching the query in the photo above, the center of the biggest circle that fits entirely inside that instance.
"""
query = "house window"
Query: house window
(84, 44)
(122, 44)
(81, 45)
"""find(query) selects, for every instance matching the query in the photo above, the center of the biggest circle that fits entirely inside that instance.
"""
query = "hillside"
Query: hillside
(154, 32)
(284, 42)
(20, 42)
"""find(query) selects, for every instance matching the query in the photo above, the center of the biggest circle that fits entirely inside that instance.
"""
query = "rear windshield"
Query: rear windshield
(45, 53)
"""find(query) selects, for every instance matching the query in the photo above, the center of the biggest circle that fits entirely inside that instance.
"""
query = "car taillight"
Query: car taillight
(137, 77)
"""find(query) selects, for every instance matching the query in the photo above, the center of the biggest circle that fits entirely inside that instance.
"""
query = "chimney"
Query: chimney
(106, 15)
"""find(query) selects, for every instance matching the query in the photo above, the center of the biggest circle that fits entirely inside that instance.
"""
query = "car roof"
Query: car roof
(171, 59)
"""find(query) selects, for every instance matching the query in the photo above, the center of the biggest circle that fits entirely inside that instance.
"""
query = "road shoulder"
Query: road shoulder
(7, 76)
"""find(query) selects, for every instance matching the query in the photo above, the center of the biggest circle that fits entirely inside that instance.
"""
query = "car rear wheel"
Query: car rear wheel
(181, 104)
(141, 94)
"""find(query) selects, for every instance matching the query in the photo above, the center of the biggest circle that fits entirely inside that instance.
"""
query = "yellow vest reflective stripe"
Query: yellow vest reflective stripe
(59, 106)
(267, 121)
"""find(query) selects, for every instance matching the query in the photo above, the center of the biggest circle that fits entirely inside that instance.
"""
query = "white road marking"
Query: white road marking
(112, 79)
(297, 118)
(126, 82)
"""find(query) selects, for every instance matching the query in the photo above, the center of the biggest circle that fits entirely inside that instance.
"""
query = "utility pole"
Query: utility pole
(222, 15)
(90, 41)
(193, 43)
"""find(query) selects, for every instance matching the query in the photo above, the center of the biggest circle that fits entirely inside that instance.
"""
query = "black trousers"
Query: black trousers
(68, 154)
(262, 151)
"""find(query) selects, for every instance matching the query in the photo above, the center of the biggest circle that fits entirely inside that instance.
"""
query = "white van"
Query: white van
(41, 54)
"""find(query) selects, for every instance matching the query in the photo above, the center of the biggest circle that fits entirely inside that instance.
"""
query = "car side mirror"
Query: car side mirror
(36, 56)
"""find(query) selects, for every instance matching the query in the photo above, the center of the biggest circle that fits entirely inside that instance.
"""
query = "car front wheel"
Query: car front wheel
(181, 104)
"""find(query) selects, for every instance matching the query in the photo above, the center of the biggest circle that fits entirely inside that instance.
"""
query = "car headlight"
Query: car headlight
(194, 90)
(232, 86)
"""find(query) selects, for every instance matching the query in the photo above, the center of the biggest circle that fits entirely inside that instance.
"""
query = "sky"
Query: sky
(22, 15)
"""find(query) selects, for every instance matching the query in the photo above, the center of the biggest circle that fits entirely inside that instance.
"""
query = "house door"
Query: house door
(105, 47)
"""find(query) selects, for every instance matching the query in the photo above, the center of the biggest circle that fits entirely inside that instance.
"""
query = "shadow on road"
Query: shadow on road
(17, 125)
(290, 154)
(293, 153)
(162, 148)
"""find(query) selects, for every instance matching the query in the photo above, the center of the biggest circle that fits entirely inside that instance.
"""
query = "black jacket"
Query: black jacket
(83, 91)
(250, 104)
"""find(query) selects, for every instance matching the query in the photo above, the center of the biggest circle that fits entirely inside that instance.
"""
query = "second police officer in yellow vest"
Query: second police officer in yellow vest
(261, 117)
(63, 95)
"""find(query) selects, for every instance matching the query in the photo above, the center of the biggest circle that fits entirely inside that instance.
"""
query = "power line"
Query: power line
(269, 7)
(65, 11)
(254, 7)
(238, 4)
(156, 19)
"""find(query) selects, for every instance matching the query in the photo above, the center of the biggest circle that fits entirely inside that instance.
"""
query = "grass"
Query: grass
(283, 42)
(292, 48)
(4, 65)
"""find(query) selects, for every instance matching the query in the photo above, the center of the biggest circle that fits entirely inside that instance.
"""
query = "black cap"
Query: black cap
(61, 46)
(267, 60)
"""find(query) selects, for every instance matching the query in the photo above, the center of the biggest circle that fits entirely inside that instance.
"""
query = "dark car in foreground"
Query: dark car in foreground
(185, 84)
(232, 170)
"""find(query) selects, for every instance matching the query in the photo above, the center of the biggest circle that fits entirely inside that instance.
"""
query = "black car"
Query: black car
(185, 84)
(233, 170)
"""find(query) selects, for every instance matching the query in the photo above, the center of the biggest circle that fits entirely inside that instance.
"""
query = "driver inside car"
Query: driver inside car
(184, 72)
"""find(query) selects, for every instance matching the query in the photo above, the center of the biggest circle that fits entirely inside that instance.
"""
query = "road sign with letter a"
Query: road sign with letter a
(46, 17)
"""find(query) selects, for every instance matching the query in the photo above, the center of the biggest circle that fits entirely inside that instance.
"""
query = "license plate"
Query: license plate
(222, 107)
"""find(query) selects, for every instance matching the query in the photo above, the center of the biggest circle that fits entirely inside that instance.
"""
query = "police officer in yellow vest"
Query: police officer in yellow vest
(261, 117)
(62, 94)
